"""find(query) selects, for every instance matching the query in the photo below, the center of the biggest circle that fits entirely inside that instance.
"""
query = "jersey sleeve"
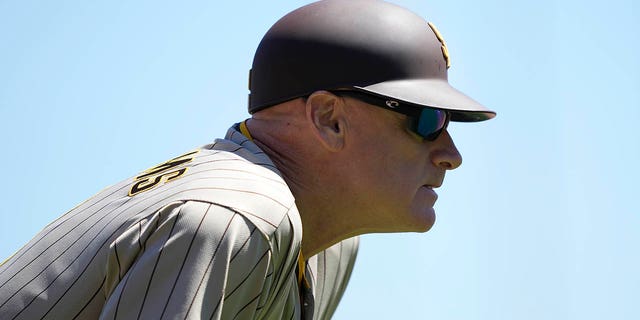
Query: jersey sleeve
(190, 260)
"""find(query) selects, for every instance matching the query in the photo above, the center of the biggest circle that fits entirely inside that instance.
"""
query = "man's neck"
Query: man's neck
(323, 219)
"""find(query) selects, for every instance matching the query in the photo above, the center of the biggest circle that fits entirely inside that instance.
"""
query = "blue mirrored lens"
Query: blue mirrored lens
(431, 122)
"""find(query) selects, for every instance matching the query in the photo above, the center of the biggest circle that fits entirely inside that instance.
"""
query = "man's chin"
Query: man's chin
(425, 220)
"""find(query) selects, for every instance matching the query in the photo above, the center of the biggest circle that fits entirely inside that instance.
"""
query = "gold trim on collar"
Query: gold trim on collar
(244, 130)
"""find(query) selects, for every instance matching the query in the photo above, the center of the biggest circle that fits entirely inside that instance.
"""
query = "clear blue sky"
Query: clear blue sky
(540, 222)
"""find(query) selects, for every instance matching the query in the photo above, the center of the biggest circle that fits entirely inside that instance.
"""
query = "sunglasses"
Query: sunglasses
(426, 122)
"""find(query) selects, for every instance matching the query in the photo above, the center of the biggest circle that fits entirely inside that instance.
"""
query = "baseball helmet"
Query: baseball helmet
(366, 45)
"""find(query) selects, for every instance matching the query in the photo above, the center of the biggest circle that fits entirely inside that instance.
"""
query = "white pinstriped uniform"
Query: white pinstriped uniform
(219, 240)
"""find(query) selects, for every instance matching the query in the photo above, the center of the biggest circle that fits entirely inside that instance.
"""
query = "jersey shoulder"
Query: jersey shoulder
(224, 177)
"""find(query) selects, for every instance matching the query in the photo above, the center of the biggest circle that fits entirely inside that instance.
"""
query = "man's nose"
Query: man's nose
(445, 154)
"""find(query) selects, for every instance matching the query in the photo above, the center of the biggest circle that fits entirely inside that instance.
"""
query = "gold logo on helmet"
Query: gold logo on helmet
(445, 51)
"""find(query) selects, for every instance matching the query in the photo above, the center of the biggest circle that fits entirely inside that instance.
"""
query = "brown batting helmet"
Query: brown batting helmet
(366, 45)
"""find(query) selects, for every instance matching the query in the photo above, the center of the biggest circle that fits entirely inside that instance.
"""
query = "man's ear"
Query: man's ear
(325, 112)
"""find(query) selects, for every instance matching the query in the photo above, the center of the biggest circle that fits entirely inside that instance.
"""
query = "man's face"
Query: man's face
(395, 170)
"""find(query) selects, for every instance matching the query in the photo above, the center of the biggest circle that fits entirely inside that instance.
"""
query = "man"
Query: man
(348, 135)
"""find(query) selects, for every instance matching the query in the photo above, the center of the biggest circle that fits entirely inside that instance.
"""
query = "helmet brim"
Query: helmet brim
(433, 93)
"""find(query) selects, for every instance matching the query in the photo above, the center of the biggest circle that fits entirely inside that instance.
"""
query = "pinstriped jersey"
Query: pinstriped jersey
(211, 234)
